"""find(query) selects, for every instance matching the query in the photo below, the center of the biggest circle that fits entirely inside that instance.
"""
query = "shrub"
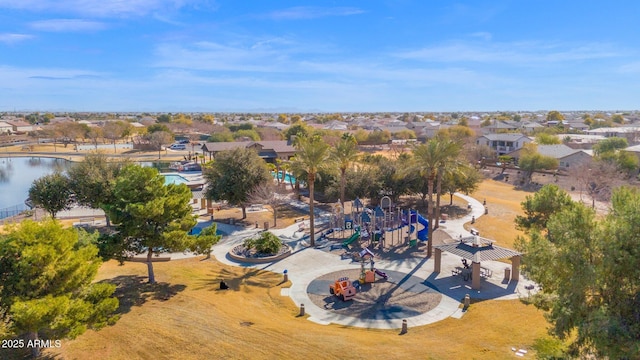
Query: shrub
(266, 243)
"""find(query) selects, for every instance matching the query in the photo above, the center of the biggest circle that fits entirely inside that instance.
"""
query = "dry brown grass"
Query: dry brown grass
(286, 216)
(185, 317)
(503, 202)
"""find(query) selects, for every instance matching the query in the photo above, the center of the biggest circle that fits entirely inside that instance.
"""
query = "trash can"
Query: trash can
(507, 273)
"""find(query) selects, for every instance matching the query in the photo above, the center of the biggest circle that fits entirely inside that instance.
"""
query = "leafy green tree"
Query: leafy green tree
(52, 193)
(313, 156)
(203, 242)
(404, 135)
(164, 118)
(539, 208)
(554, 115)
(283, 118)
(547, 139)
(344, 154)
(378, 137)
(617, 118)
(609, 145)
(47, 274)
(462, 178)
(149, 216)
(92, 181)
(589, 277)
(531, 161)
(158, 127)
(456, 133)
(251, 134)
(265, 243)
(299, 128)
(222, 136)
(238, 127)
(233, 175)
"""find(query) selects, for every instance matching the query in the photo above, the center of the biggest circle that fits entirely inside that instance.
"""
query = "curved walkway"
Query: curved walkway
(306, 264)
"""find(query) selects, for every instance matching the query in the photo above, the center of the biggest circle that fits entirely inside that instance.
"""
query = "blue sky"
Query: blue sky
(298, 56)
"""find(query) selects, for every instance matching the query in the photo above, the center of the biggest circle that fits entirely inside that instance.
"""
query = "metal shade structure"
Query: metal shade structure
(478, 249)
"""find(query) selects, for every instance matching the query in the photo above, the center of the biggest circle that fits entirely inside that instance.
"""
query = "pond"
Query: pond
(17, 174)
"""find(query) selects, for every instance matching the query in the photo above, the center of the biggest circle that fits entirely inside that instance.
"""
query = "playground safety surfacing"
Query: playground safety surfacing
(400, 296)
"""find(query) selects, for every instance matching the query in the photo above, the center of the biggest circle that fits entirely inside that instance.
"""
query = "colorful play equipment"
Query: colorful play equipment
(352, 238)
(377, 225)
(369, 276)
(343, 288)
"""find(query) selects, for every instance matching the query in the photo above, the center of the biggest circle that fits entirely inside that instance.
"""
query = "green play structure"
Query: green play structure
(351, 239)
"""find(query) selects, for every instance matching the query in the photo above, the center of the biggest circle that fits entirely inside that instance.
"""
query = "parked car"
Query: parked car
(178, 147)
(184, 141)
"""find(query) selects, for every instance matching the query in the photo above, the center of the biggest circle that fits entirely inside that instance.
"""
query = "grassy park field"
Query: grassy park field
(503, 203)
(184, 316)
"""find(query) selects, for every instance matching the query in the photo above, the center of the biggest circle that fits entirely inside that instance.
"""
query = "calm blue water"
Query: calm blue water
(174, 179)
(17, 174)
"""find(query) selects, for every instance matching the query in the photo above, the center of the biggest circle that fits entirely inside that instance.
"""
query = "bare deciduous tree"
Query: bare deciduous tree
(271, 195)
(597, 179)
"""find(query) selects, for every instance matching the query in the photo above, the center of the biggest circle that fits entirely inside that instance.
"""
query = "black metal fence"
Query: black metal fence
(12, 210)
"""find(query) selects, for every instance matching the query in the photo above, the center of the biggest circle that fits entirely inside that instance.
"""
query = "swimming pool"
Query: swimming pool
(289, 179)
(174, 179)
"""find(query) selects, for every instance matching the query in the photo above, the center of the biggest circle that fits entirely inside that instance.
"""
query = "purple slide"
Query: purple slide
(381, 274)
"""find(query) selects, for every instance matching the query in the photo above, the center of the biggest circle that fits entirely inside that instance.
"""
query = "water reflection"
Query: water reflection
(6, 169)
(17, 175)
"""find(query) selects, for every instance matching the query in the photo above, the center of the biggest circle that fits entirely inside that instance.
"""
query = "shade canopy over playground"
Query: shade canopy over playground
(478, 249)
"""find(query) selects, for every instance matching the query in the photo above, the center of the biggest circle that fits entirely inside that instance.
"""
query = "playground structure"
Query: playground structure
(380, 224)
(369, 276)
(343, 288)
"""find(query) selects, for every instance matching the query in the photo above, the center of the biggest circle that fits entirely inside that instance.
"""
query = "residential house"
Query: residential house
(631, 133)
(566, 156)
(578, 125)
(530, 126)
(503, 143)
(268, 150)
(5, 128)
(20, 126)
(500, 127)
(580, 141)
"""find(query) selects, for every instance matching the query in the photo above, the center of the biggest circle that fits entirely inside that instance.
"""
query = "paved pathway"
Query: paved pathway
(306, 264)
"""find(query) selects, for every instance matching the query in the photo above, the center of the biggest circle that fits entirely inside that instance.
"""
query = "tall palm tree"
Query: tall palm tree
(312, 156)
(448, 163)
(428, 160)
(344, 154)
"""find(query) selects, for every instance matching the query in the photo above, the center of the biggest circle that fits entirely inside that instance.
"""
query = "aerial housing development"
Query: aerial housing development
(259, 180)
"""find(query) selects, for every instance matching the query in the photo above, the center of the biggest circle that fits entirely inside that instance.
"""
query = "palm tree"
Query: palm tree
(428, 160)
(313, 155)
(344, 154)
(448, 163)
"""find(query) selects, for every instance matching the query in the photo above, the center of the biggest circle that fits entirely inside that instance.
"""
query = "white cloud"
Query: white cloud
(67, 25)
(100, 8)
(515, 53)
(14, 38)
(310, 12)
(483, 35)
(630, 68)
